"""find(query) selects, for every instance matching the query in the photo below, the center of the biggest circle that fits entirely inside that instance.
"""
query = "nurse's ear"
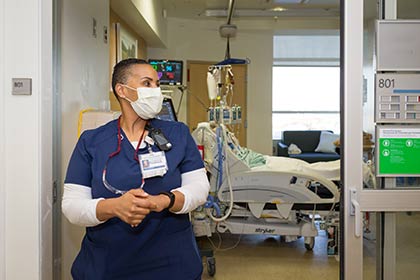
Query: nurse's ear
(119, 88)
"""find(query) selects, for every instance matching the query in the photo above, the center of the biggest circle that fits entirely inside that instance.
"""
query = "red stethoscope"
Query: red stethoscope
(136, 158)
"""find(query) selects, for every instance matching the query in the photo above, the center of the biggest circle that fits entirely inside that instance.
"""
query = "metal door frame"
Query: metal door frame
(56, 149)
(2, 145)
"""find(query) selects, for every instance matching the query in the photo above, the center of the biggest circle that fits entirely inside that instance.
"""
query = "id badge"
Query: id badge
(153, 164)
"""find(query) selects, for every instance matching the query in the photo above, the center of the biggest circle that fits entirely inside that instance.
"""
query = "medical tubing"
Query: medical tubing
(219, 246)
(330, 211)
(202, 137)
(220, 159)
(221, 219)
(211, 204)
(314, 211)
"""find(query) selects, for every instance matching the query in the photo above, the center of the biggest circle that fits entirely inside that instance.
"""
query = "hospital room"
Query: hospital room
(280, 139)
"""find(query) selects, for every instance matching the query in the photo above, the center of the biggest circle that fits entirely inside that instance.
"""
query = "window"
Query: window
(306, 84)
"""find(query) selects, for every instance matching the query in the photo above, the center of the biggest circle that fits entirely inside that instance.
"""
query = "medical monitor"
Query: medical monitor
(168, 111)
(169, 71)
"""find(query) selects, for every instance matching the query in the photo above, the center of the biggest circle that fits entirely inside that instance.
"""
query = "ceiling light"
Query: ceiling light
(287, 1)
(301, 12)
(241, 13)
(278, 9)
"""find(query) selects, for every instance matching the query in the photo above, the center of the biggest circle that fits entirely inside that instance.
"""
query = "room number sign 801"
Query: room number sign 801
(386, 83)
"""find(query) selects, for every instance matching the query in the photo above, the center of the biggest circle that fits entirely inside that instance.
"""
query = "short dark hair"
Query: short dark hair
(121, 71)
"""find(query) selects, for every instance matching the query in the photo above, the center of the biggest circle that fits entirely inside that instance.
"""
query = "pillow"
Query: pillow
(294, 149)
(326, 143)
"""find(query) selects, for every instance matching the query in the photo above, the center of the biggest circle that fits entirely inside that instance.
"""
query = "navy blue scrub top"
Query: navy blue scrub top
(162, 246)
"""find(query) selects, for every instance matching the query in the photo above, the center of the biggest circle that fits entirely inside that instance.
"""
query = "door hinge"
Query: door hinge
(55, 192)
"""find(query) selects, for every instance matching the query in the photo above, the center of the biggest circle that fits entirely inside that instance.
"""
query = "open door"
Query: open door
(397, 139)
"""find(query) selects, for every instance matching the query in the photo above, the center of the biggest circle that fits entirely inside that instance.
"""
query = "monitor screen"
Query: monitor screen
(169, 71)
(168, 111)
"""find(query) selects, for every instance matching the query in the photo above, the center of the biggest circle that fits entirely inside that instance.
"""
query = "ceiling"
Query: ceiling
(207, 9)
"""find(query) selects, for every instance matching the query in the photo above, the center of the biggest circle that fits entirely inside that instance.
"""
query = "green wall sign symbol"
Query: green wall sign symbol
(399, 156)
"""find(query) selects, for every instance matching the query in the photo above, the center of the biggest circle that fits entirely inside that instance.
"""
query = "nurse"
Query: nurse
(132, 197)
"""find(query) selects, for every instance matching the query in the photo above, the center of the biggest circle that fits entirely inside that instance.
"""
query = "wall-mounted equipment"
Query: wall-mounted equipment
(168, 111)
(169, 71)
(397, 98)
(398, 45)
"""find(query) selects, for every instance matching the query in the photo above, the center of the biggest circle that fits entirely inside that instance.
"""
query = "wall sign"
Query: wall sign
(21, 86)
(398, 151)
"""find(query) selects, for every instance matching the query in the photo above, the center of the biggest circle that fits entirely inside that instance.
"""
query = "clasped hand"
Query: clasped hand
(136, 204)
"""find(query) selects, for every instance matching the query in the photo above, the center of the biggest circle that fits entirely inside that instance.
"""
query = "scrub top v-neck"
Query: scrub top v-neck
(163, 245)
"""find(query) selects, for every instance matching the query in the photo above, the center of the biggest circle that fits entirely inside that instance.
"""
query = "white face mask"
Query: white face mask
(148, 103)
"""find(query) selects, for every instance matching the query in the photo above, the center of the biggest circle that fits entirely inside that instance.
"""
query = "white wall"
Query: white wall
(2, 149)
(25, 52)
(85, 74)
(200, 40)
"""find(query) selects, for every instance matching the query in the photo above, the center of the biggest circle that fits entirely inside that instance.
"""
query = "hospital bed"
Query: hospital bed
(270, 195)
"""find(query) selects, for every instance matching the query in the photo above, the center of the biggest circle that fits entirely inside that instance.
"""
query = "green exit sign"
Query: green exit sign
(398, 151)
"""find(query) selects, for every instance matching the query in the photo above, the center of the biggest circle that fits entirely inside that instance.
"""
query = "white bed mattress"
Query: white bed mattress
(328, 169)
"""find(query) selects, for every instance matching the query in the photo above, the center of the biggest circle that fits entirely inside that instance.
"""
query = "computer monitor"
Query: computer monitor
(169, 71)
(168, 111)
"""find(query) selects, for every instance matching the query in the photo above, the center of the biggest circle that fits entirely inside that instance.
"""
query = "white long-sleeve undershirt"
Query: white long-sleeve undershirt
(80, 209)
(78, 205)
(195, 188)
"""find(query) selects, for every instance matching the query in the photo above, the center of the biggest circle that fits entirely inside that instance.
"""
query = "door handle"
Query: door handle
(355, 211)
